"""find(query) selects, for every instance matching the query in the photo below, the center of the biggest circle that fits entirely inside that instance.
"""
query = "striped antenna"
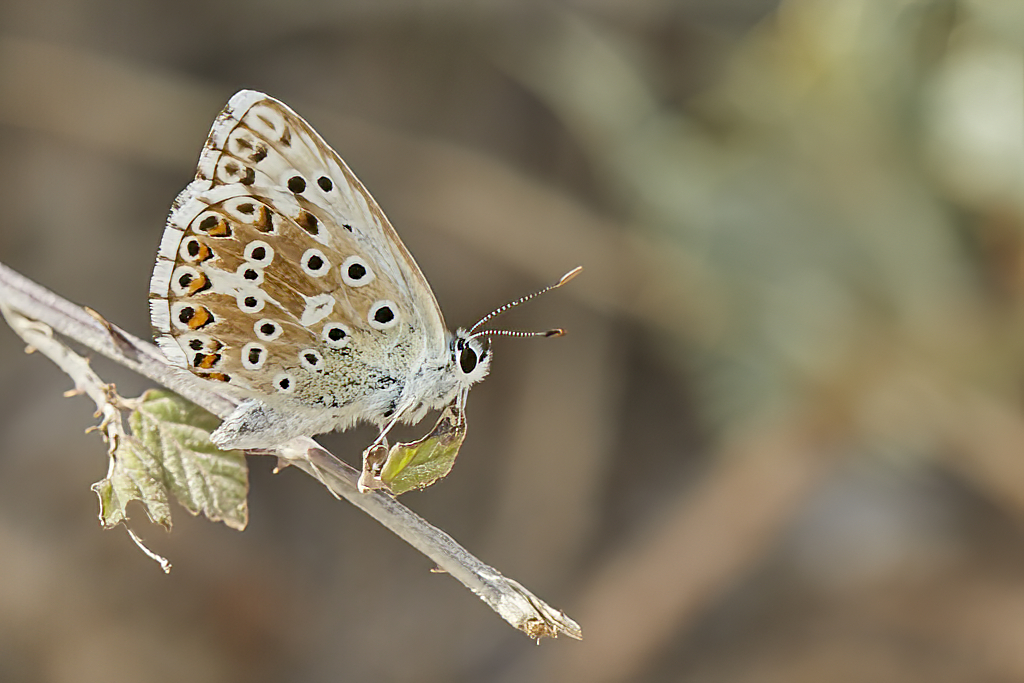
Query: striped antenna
(522, 300)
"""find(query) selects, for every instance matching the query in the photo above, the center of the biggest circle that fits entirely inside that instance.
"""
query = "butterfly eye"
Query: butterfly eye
(315, 263)
(467, 360)
(356, 272)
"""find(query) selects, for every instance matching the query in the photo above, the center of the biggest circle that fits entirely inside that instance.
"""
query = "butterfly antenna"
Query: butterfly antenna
(522, 300)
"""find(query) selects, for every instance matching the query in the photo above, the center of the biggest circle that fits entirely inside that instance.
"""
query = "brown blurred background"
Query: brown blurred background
(783, 441)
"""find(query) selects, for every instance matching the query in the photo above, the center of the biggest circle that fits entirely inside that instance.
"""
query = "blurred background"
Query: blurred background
(783, 440)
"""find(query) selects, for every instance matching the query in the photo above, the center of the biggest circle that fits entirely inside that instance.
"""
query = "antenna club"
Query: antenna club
(570, 275)
(557, 332)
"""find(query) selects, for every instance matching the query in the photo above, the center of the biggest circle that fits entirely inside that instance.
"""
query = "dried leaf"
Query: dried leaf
(170, 452)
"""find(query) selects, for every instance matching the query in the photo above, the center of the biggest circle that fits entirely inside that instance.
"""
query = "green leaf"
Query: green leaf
(170, 452)
(419, 464)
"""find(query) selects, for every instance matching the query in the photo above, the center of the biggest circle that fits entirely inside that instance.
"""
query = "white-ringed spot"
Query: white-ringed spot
(253, 356)
(356, 272)
(212, 224)
(336, 335)
(229, 170)
(183, 279)
(194, 251)
(206, 344)
(252, 274)
(259, 253)
(262, 119)
(284, 383)
(188, 316)
(311, 359)
(383, 315)
(267, 330)
(315, 263)
(249, 211)
(250, 301)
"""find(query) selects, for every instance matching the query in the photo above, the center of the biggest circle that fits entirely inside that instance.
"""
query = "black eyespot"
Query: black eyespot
(259, 253)
(208, 223)
(254, 355)
(297, 184)
(247, 208)
(185, 279)
(384, 314)
(336, 334)
(325, 183)
(186, 314)
(250, 274)
(312, 359)
(268, 328)
(193, 248)
(357, 271)
(347, 227)
(315, 262)
(467, 359)
(284, 382)
(196, 344)
(250, 302)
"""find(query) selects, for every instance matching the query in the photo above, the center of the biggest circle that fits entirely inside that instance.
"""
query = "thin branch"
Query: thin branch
(508, 598)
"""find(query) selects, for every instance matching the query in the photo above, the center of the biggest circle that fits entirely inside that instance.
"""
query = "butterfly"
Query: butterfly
(279, 279)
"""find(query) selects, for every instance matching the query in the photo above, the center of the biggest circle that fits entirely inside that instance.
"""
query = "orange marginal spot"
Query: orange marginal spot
(221, 229)
(206, 361)
(203, 254)
(198, 284)
(200, 318)
(219, 376)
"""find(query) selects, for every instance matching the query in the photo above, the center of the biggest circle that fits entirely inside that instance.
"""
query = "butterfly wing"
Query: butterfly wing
(279, 275)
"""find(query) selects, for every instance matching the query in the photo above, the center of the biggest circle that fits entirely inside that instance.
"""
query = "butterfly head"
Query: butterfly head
(470, 356)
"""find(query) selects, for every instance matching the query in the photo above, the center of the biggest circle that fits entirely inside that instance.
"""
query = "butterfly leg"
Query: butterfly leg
(374, 458)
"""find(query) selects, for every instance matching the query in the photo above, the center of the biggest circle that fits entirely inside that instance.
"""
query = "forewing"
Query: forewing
(275, 266)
